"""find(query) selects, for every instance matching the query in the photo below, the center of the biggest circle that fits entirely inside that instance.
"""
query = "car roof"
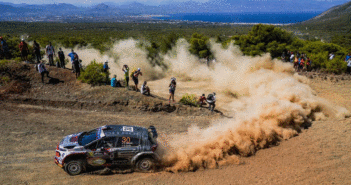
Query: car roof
(123, 130)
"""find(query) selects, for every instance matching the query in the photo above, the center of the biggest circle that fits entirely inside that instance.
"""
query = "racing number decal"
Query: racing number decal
(125, 140)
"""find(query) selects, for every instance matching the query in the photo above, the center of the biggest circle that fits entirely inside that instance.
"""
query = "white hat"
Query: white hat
(138, 69)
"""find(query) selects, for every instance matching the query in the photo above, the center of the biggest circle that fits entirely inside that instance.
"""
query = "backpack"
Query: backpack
(132, 73)
(210, 97)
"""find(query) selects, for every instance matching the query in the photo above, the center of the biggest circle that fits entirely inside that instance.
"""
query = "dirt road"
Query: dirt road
(319, 155)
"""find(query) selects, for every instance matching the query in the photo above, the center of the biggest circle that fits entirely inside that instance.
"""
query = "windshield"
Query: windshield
(87, 137)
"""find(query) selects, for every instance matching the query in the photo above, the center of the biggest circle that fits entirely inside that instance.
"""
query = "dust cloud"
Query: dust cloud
(267, 100)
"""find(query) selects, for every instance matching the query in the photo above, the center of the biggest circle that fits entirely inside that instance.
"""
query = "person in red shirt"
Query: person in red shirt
(24, 50)
(202, 100)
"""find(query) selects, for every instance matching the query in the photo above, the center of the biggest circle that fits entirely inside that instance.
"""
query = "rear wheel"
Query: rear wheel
(75, 167)
(145, 164)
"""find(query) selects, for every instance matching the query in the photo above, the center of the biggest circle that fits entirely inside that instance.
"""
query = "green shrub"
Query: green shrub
(189, 99)
(94, 74)
(337, 65)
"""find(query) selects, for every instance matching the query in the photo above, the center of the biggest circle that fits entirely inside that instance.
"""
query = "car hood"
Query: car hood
(70, 141)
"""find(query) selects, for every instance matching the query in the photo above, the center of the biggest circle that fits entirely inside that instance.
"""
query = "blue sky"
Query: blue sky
(149, 2)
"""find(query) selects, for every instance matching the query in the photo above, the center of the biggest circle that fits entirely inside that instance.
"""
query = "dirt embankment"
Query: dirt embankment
(61, 89)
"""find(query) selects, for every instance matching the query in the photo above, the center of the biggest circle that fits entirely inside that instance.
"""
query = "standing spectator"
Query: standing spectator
(50, 52)
(77, 67)
(308, 64)
(302, 64)
(211, 100)
(172, 88)
(61, 56)
(36, 50)
(348, 60)
(292, 56)
(135, 76)
(42, 70)
(106, 71)
(283, 57)
(125, 69)
(106, 68)
(114, 81)
(74, 56)
(331, 56)
(288, 56)
(145, 90)
(24, 50)
(4, 48)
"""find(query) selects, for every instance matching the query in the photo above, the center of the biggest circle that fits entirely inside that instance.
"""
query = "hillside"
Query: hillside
(334, 21)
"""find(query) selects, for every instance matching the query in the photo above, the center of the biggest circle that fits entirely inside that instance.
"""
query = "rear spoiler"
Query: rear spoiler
(153, 130)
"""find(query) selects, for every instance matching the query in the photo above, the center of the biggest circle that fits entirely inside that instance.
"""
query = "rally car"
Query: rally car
(108, 146)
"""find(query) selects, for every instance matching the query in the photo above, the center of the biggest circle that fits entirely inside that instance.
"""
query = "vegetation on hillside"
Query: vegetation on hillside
(158, 39)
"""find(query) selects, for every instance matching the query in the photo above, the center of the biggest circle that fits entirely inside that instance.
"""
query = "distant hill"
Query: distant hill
(336, 20)
(8, 11)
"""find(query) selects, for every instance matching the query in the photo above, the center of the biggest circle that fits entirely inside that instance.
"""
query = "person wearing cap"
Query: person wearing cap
(24, 50)
(50, 52)
(61, 56)
(211, 100)
(125, 69)
(36, 51)
(172, 88)
(4, 48)
(135, 77)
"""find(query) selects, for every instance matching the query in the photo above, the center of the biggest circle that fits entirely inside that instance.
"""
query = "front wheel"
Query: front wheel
(145, 165)
(75, 167)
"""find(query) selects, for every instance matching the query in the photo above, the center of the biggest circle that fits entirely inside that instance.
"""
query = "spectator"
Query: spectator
(4, 48)
(308, 64)
(292, 56)
(125, 69)
(36, 50)
(76, 65)
(302, 64)
(135, 76)
(61, 56)
(42, 70)
(211, 100)
(106, 68)
(74, 56)
(348, 60)
(24, 50)
(202, 100)
(145, 90)
(50, 52)
(172, 88)
(114, 81)
(331, 56)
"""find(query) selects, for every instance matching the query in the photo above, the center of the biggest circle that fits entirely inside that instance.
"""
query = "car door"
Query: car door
(127, 147)
(102, 151)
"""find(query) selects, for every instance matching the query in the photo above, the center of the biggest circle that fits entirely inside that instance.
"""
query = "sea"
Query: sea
(243, 18)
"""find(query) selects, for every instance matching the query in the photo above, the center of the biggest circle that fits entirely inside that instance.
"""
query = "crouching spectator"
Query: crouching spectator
(42, 70)
(145, 90)
(115, 82)
(202, 100)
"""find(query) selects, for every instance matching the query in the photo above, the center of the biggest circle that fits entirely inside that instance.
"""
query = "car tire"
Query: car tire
(75, 167)
(145, 165)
